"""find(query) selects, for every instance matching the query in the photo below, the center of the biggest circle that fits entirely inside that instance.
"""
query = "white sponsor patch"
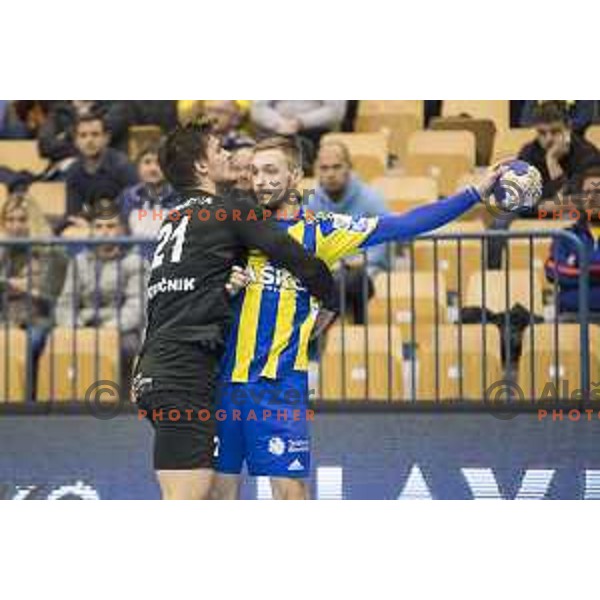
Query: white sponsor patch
(276, 446)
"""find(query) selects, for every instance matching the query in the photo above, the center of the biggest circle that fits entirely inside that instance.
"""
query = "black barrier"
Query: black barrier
(428, 338)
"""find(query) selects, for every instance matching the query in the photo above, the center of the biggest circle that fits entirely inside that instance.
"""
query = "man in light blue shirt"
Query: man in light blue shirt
(339, 190)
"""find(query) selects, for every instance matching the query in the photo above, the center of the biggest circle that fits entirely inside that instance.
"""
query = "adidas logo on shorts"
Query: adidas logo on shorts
(295, 465)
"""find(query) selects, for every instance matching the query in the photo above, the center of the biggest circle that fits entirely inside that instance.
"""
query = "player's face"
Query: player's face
(91, 139)
(549, 133)
(241, 168)
(271, 172)
(217, 165)
(334, 171)
(16, 223)
(149, 170)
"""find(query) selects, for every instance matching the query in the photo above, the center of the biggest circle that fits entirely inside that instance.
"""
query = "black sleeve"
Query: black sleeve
(284, 251)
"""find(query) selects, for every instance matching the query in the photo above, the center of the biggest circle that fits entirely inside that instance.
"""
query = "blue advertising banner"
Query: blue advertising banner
(355, 456)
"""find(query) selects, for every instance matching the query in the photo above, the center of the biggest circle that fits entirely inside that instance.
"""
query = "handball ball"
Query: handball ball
(519, 188)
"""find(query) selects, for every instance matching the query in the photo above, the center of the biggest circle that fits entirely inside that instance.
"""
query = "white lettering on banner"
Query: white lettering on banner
(484, 486)
(329, 483)
(592, 485)
(415, 487)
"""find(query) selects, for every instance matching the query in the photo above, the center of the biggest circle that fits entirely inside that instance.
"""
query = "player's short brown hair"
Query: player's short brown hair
(179, 152)
(287, 145)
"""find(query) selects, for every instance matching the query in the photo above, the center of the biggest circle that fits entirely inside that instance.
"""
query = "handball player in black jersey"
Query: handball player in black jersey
(203, 237)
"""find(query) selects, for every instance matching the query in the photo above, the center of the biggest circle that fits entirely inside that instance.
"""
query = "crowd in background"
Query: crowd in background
(87, 146)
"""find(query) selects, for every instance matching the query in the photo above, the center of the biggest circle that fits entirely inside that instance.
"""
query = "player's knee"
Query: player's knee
(225, 487)
(185, 485)
(289, 489)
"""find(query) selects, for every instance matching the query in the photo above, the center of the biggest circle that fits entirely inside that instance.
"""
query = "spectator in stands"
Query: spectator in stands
(340, 190)
(97, 167)
(141, 203)
(581, 113)
(562, 266)
(31, 277)
(162, 113)
(227, 117)
(104, 287)
(307, 119)
(557, 152)
(56, 137)
(11, 126)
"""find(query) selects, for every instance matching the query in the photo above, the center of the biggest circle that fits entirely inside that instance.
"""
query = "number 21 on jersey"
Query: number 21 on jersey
(169, 235)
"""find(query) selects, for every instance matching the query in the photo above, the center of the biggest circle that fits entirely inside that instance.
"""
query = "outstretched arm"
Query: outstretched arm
(399, 228)
(342, 235)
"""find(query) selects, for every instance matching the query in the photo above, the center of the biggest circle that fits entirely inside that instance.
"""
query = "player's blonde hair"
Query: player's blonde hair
(286, 145)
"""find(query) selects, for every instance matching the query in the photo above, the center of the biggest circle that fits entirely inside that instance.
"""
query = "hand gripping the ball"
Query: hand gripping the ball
(512, 186)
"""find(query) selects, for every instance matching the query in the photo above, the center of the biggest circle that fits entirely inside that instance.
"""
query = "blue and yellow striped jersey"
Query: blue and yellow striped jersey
(275, 314)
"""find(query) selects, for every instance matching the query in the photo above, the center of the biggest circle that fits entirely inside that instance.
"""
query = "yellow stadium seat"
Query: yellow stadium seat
(22, 155)
(51, 197)
(13, 364)
(468, 362)
(404, 192)
(444, 155)
(592, 135)
(398, 126)
(519, 248)
(452, 256)
(75, 359)
(369, 151)
(484, 131)
(140, 137)
(393, 302)
(551, 355)
(496, 110)
(524, 287)
(392, 107)
(508, 142)
(356, 363)
(519, 253)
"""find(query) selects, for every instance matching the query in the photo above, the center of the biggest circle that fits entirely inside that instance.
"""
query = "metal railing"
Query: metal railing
(428, 338)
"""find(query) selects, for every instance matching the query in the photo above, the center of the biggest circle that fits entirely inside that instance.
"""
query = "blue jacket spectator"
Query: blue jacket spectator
(341, 191)
(563, 267)
(353, 197)
(563, 264)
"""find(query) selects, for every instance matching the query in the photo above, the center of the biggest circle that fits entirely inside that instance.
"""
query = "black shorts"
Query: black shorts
(179, 400)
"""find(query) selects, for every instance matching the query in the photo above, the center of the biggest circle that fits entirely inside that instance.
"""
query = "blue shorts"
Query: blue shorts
(265, 424)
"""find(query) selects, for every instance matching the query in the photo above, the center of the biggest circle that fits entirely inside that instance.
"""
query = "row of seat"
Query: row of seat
(73, 360)
(450, 362)
(378, 362)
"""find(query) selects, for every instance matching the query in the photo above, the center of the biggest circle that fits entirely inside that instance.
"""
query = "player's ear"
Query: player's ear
(201, 168)
(296, 176)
